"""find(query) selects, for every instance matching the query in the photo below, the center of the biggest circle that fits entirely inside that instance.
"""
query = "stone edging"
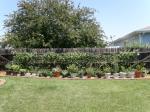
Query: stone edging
(2, 81)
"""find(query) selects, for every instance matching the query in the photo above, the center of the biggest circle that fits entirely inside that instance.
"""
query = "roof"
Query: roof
(143, 30)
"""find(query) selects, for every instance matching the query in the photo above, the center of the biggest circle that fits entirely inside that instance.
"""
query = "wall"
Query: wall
(145, 39)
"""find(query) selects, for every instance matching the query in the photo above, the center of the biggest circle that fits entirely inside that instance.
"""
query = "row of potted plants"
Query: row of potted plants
(73, 71)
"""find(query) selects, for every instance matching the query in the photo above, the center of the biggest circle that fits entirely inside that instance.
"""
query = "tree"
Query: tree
(53, 23)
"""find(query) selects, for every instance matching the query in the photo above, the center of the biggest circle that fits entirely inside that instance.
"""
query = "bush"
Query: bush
(15, 68)
(73, 68)
(52, 57)
(90, 71)
(23, 58)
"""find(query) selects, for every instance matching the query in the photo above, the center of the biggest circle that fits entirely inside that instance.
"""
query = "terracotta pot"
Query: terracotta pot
(56, 74)
(89, 75)
(138, 74)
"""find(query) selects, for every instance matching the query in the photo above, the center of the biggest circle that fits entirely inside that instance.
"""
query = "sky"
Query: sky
(116, 17)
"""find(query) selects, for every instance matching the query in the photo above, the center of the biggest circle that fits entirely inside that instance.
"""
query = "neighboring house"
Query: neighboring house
(1, 42)
(139, 37)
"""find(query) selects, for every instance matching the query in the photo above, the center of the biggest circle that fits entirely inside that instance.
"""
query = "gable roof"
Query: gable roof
(143, 30)
(146, 29)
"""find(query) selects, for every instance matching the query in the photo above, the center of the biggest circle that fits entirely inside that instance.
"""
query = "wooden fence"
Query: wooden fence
(61, 50)
(64, 50)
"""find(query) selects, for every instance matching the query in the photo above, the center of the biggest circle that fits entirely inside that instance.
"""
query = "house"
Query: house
(139, 37)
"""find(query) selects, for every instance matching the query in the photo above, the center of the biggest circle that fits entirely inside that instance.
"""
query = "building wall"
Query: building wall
(128, 41)
(145, 39)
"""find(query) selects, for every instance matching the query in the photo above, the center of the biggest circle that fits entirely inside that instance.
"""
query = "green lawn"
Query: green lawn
(37, 95)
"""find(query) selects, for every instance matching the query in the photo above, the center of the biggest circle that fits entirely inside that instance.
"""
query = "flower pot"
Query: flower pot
(93, 78)
(143, 74)
(84, 77)
(56, 74)
(116, 75)
(28, 74)
(107, 75)
(138, 74)
(89, 76)
(99, 75)
(123, 75)
(131, 75)
(73, 75)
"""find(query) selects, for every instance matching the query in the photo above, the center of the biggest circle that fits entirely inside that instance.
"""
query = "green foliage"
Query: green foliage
(73, 68)
(23, 58)
(53, 23)
(15, 67)
(23, 70)
(90, 71)
(107, 69)
(45, 72)
(65, 73)
(127, 57)
(52, 57)
(8, 66)
(123, 69)
(57, 69)
(77, 58)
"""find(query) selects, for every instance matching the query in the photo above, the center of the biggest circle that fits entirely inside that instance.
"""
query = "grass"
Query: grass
(37, 95)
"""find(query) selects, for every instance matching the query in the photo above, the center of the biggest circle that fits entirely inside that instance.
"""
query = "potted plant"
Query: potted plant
(138, 72)
(64, 73)
(82, 72)
(144, 71)
(8, 69)
(49, 73)
(90, 72)
(130, 72)
(107, 71)
(123, 72)
(22, 72)
(15, 69)
(116, 71)
(99, 73)
(73, 70)
(56, 72)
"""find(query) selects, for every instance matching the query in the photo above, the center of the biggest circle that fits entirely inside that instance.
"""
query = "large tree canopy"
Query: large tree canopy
(53, 23)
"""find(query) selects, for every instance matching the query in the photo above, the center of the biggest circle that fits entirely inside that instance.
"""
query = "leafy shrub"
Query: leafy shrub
(8, 66)
(65, 73)
(23, 58)
(23, 70)
(52, 57)
(45, 73)
(107, 69)
(15, 68)
(73, 68)
(90, 71)
(57, 69)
